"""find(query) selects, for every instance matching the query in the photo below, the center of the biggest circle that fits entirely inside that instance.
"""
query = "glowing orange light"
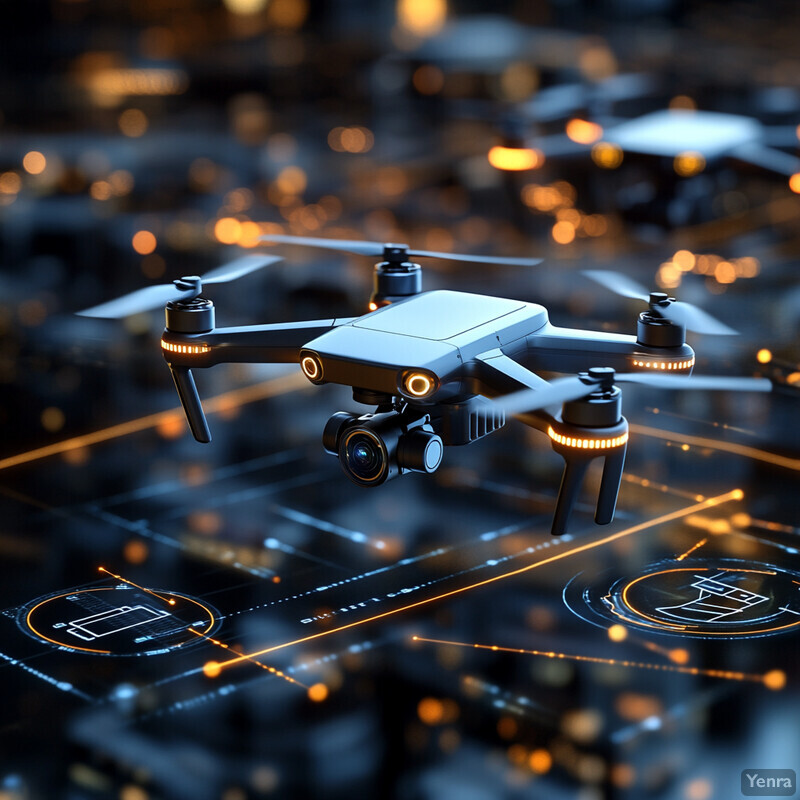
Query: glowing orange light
(607, 155)
(228, 230)
(764, 356)
(167, 600)
(318, 692)
(689, 163)
(711, 673)
(187, 349)
(311, 367)
(684, 260)
(430, 711)
(515, 159)
(563, 232)
(617, 633)
(581, 131)
(794, 183)
(211, 669)
(10, 183)
(775, 679)
(540, 761)
(418, 385)
(666, 365)
(144, 242)
(679, 656)
(694, 547)
(422, 17)
(725, 272)
(373, 306)
(586, 444)
(34, 162)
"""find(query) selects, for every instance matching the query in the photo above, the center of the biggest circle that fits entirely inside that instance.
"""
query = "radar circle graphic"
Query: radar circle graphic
(118, 621)
(714, 599)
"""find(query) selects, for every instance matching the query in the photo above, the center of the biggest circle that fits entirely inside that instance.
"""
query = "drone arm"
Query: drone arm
(272, 344)
(555, 349)
(494, 373)
(267, 344)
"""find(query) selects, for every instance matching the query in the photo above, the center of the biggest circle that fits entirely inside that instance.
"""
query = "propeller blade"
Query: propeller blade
(559, 391)
(511, 262)
(692, 317)
(695, 319)
(618, 283)
(136, 302)
(706, 382)
(343, 245)
(238, 268)
(376, 249)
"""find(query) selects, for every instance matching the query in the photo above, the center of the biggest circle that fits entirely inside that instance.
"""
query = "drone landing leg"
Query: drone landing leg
(609, 486)
(571, 480)
(190, 400)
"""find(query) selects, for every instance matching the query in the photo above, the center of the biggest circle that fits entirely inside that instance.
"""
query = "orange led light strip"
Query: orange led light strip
(190, 349)
(587, 444)
(664, 364)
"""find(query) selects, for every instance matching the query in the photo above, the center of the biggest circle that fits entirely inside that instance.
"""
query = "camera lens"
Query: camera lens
(363, 456)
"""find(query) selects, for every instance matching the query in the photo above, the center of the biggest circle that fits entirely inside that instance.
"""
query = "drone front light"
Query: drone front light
(418, 384)
(515, 159)
(581, 443)
(312, 367)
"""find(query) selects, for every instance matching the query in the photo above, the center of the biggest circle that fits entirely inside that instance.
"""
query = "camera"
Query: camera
(374, 448)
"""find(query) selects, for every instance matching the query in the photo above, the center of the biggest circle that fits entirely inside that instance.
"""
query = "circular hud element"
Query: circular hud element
(719, 598)
(118, 621)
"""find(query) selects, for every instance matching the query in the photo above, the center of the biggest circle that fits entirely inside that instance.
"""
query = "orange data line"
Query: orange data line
(770, 679)
(220, 402)
(167, 600)
(691, 550)
(717, 444)
(213, 668)
(274, 671)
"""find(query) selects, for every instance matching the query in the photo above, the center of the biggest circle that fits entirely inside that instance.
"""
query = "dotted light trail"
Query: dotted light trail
(221, 402)
(775, 679)
(167, 600)
(224, 646)
(691, 550)
(716, 444)
(213, 669)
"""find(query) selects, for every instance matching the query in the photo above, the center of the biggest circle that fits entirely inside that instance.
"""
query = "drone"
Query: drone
(444, 368)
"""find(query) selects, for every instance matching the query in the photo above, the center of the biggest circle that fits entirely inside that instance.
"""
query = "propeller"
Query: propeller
(186, 288)
(690, 316)
(396, 253)
(565, 390)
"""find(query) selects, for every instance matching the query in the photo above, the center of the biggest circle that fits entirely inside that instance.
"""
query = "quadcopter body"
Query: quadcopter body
(445, 368)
